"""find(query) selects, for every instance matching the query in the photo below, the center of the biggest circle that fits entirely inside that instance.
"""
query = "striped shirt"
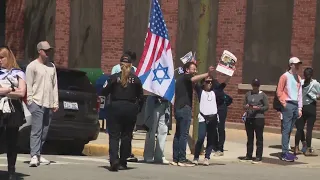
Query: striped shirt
(289, 89)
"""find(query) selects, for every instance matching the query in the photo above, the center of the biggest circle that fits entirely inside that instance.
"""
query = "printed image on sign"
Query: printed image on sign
(187, 58)
(70, 105)
(102, 101)
(227, 63)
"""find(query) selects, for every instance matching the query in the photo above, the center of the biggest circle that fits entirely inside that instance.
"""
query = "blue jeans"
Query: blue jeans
(183, 120)
(290, 114)
(204, 130)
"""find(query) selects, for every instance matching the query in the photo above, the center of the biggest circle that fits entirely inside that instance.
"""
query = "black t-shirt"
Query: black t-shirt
(183, 91)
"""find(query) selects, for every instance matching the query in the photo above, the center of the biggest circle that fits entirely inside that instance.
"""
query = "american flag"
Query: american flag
(156, 70)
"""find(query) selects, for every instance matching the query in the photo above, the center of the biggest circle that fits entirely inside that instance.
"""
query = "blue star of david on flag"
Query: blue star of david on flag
(164, 76)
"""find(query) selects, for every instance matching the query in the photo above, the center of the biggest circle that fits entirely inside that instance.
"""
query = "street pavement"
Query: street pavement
(88, 168)
(227, 167)
(235, 147)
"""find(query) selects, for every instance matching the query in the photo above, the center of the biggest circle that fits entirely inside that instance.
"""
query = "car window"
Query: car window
(75, 81)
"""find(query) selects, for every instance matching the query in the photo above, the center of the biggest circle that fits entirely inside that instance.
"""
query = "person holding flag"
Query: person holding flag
(156, 72)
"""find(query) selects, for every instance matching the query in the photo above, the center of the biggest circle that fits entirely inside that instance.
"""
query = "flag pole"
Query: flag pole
(202, 54)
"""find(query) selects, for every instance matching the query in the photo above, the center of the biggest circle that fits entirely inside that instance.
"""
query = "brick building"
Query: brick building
(262, 34)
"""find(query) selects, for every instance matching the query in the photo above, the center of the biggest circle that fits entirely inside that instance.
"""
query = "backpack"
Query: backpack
(228, 99)
(276, 103)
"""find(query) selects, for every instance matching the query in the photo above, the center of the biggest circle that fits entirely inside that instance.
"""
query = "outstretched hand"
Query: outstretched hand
(211, 70)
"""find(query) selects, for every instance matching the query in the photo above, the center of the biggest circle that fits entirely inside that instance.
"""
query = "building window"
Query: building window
(267, 40)
(85, 34)
(2, 22)
(316, 56)
(135, 26)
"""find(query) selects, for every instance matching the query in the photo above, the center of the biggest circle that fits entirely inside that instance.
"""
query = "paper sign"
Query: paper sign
(187, 58)
(227, 63)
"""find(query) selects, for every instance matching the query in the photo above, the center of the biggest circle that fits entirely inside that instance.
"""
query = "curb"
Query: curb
(103, 150)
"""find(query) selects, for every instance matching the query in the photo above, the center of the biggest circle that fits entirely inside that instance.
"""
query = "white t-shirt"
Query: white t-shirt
(208, 104)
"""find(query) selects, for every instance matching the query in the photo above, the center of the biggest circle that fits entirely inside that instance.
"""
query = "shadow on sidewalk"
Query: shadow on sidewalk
(4, 175)
(109, 168)
(275, 146)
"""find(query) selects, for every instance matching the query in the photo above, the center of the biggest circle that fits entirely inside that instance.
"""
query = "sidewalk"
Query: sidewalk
(235, 146)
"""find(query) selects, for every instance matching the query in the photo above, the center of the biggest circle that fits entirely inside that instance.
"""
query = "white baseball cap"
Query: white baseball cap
(43, 45)
(294, 60)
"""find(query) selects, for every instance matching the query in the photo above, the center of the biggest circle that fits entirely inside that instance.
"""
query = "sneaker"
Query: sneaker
(218, 153)
(288, 157)
(149, 160)
(174, 163)
(296, 150)
(304, 147)
(257, 161)
(44, 161)
(186, 163)
(34, 162)
(160, 161)
(245, 159)
(206, 162)
(195, 162)
(310, 152)
(132, 158)
(165, 161)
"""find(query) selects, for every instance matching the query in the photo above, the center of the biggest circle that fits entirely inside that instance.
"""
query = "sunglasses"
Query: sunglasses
(46, 50)
(208, 82)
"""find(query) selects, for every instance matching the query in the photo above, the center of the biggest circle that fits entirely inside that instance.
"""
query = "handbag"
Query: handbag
(209, 118)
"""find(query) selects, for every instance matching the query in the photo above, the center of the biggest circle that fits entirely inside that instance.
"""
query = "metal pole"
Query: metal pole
(202, 56)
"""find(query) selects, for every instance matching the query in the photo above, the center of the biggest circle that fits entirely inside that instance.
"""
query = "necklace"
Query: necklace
(209, 97)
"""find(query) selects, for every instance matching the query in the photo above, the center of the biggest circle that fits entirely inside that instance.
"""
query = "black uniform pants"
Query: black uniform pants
(309, 115)
(254, 125)
(121, 122)
(12, 134)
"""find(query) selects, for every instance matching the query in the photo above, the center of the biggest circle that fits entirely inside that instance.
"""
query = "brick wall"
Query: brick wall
(303, 35)
(231, 30)
(112, 33)
(62, 33)
(14, 27)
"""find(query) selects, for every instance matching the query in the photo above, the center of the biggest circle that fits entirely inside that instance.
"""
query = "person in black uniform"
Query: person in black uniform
(12, 89)
(126, 96)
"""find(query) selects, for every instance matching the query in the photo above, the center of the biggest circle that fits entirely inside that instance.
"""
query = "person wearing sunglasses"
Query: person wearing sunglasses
(42, 100)
(12, 90)
(208, 119)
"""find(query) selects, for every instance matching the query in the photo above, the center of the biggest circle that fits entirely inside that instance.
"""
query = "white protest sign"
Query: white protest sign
(227, 63)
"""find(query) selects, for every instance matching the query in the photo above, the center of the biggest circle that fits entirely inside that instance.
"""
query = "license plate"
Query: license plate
(70, 105)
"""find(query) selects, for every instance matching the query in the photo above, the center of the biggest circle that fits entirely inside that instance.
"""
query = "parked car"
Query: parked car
(76, 122)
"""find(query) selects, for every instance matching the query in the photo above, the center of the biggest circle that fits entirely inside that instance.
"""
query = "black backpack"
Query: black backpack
(276, 103)
(228, 99)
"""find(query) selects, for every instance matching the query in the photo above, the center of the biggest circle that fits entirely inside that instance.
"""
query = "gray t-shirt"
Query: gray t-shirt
(256, 99)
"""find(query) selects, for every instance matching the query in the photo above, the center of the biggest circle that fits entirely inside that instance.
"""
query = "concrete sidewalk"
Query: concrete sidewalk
(235, 146)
